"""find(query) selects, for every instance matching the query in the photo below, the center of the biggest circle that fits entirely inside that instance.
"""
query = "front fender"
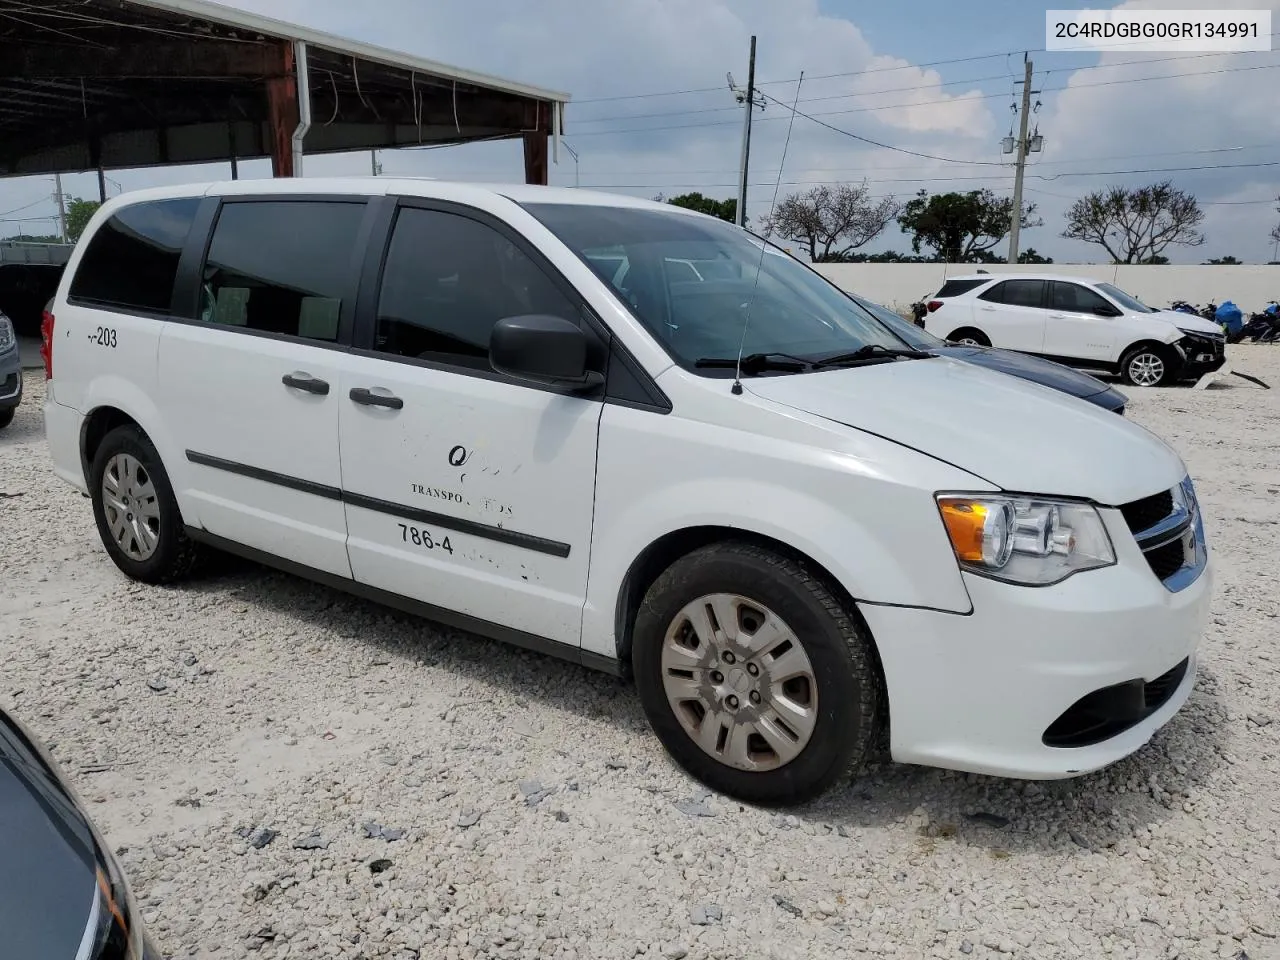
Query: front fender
(881, 538)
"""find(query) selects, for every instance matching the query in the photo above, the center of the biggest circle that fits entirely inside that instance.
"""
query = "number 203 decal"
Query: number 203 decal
(103, 336)
(422, 538)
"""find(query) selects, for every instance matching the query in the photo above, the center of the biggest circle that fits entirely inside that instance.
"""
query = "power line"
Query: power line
(886, 146)
(962, 98)
(898, 67)
(875, 93)
(958, 179)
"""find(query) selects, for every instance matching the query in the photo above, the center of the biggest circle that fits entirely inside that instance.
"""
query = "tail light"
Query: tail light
(933, 305)
(46, 343)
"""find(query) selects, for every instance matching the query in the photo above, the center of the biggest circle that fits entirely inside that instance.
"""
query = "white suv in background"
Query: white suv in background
(1077, 322)
(439, 396)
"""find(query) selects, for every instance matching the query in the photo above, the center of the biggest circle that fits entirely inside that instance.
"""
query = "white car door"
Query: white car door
(250, 391)
(1081, 324)
(1012, 315)
(465, 490)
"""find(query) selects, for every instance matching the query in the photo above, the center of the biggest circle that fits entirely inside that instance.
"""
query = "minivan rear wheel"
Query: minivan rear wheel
(755, 677)
(137, 515)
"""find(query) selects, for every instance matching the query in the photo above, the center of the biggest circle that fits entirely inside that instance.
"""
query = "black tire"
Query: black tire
(1135, 360)
(6, 416)
(844, 667)
(175, 555)
(970, 333)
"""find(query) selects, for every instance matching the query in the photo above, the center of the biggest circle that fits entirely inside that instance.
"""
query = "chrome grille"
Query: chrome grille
(1170, 533)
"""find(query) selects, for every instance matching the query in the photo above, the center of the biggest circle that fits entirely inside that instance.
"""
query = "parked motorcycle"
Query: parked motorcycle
(1263, 327)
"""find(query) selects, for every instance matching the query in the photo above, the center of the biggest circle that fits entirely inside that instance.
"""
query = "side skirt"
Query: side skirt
(427, 611)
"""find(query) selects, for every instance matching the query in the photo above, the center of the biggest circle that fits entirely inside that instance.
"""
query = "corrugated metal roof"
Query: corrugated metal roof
(242, 19)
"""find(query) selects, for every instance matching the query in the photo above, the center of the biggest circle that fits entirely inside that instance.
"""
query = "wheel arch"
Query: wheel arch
(955, 334)
(670, 547)
(667, 549)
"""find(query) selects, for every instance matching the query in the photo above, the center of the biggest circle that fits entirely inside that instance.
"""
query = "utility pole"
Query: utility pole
(374, 164)
(1015, 227)
(748, 106)
(62, 206)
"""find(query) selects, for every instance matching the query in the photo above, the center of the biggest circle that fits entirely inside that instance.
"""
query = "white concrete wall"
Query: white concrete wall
(898, 285)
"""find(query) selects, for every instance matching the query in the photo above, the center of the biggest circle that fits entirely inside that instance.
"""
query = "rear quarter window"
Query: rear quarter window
(131, 262)
(953, 288)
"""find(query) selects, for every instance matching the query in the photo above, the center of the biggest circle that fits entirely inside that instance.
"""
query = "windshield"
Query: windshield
(917, 337)
(690, 280)
(1126, 301)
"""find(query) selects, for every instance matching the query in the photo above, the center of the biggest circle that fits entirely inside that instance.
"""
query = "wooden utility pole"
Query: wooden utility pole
(1015, 227)
(749, 105)
(61, 200)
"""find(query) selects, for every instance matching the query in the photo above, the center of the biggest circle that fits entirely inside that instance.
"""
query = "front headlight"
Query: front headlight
(1022, 540)
(114, 930)
(7, 336)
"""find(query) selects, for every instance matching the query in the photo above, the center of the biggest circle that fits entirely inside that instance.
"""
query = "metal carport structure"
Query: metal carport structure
(103, 84)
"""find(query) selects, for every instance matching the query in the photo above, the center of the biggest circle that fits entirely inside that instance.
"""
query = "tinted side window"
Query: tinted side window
(1018, 293)
(448, 279)
(281, 266)
(953, 288)
(132, 260)
(1074, 298)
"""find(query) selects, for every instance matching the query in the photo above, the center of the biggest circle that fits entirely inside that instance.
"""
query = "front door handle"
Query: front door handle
(368, 398)
(306, 382)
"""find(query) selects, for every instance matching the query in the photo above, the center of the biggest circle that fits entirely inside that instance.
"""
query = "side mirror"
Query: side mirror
(1107, 311)
(544, 349)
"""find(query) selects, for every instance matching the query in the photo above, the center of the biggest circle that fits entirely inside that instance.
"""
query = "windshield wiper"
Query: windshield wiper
(754, 363)
(871, 353)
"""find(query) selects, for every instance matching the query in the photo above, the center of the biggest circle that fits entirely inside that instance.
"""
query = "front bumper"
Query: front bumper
(10, 380)
(981, 692)
(1201, 355)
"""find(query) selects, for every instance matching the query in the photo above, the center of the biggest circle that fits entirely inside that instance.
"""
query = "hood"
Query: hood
(48, 873)
(1047, 372)
(1017, 435)
(1187, 321)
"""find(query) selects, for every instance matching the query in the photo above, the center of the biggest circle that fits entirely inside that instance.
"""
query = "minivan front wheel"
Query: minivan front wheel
(755, 677)
(1147, 366)
(135, 509)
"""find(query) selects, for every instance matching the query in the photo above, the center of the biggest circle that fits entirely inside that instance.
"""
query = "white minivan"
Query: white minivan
(435, 395)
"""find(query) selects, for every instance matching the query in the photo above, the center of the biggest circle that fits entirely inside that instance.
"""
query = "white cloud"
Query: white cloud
(624, 47)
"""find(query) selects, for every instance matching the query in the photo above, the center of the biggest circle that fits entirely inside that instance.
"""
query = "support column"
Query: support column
(535, 147)
(282, 111)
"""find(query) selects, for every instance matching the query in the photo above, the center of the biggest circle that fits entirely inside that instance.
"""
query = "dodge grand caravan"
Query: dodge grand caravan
(795, 532)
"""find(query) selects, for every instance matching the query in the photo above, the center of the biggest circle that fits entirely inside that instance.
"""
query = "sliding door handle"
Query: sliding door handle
(306, 382)
(368, 398)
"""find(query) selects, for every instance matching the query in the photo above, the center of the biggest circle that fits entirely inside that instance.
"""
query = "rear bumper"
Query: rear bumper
(988, 692)
(62, 431)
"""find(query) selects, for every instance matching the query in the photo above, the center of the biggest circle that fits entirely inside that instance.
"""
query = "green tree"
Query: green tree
(960, 227)
(1029, 255)
(1136, 225)
(724, 209)
(79, 213)
(1223, 262)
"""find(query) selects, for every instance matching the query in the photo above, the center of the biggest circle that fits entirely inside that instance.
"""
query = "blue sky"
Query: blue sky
(1106, 119)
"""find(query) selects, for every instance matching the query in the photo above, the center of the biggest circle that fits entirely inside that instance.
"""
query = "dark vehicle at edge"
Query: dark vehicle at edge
(62, 893)
(1034, 369)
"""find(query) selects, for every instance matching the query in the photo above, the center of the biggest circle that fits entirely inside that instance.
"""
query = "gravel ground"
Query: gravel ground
(294, 773)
